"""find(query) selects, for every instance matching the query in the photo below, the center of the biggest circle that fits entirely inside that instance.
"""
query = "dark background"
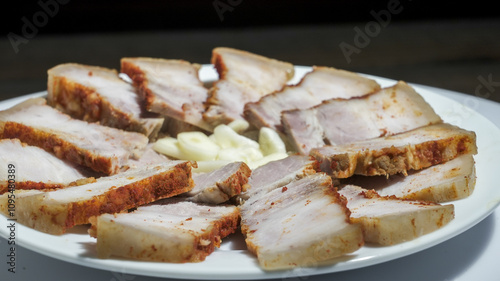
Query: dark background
(439, 43)
(126, 15)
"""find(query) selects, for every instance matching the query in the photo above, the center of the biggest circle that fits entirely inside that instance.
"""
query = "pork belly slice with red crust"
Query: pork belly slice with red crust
(278, 173)
(166, 231)
(97, 94)
(101, 148)
(56, 211)
(303, 223)
(220, 185)
(243, 77)
(388, 220)
(322, 83)
(412, 150)
(452, 180)
(389, 111)
(169, 87)
(35, 168)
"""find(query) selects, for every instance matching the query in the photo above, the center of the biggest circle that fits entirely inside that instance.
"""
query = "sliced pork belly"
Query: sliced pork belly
(243, 77)
(412, 150)
(220, 185)
(172, 127)
(303, 219)
(56, 211)
(169, 87)
(167, 231)
(445, 182)
(387, 112)
(8, 208)
(35, 168)
(97, 94)
(388, 220)
(101, 148)
(278, 173)
(148, 157)
(322, 83)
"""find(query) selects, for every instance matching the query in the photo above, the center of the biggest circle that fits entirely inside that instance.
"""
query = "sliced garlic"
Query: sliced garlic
(209, 166)
(239, 125)
(197, 146)
(170, 147)
(228, 138)
(270, 142)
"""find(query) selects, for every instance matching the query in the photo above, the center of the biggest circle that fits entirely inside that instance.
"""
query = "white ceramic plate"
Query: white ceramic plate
(232, 261)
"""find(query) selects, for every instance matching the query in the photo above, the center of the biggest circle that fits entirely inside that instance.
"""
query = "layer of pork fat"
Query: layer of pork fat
(98, 94)
(412, 150)
(243, 77)
(392, 110)
(10, 211)
(169, 87)
(220, 185)
(278, 173)
(303, 220)
(56, 211)
(148, 157)
(101, 148)
(34, 168)
(166, 231)
(388, 220)
(445, 182)
(322, 83)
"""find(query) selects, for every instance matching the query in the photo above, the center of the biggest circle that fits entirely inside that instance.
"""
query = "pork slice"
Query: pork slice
(35, 168)
(243, 77)
(169, 87)
(167, 231)
(388, 220)
(322, 83)
(452, 180)
(302, 223)
(303, 130)
(56, 211)
(8, 207)
(101, 148)
(387, 112)
(219, 185)
(278, 173)
(97, 94)
(172, 127)
(148, 157)
(413, 150)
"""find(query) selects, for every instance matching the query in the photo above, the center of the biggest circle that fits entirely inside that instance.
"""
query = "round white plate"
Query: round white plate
(233, 261)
